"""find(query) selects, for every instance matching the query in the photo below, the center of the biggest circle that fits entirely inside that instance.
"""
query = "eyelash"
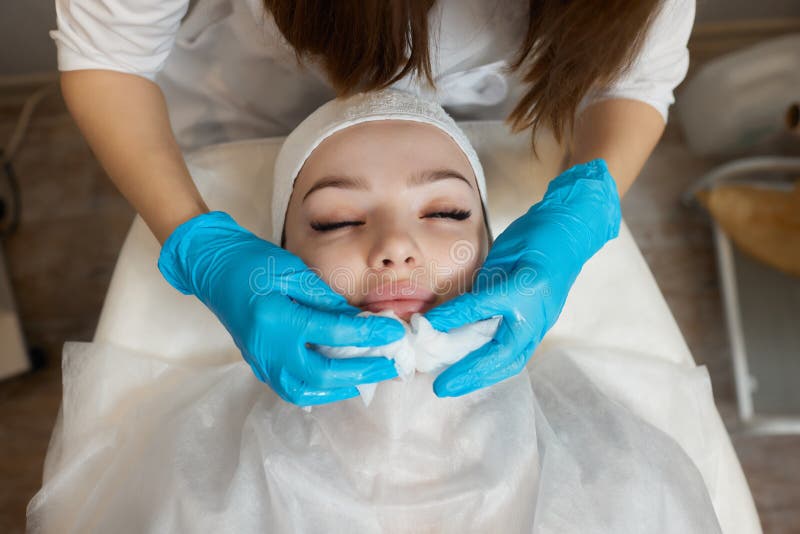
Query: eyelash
(456, 214)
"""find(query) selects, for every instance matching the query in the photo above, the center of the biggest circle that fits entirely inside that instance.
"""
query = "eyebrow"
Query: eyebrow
(359, 183)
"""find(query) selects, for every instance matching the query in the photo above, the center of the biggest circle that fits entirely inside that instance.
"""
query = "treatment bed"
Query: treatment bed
(614, 303)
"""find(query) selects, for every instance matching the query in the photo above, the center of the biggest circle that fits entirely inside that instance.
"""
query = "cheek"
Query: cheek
(453, 266)
(338, 266)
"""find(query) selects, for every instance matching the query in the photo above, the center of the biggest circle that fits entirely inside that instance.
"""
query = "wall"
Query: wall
(723, 10)
(25, 47)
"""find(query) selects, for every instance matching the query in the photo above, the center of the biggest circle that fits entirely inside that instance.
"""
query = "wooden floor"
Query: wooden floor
(74, 222)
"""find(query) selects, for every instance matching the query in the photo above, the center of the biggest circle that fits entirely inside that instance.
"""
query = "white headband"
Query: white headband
(340, 113)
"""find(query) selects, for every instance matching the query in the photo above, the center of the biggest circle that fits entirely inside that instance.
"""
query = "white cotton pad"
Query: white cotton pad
(423, 349)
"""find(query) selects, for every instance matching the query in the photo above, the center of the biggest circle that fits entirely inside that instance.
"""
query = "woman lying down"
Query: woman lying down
(381, 193)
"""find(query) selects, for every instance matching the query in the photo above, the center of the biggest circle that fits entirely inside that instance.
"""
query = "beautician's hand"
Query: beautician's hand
(527, 275)
(273, 304)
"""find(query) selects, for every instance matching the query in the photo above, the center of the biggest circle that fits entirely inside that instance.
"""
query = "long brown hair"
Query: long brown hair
(570, 48)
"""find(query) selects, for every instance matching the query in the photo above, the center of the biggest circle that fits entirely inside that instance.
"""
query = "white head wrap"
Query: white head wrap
(340, 113)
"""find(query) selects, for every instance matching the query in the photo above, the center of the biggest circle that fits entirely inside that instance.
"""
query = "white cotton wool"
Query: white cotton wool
(423, 349)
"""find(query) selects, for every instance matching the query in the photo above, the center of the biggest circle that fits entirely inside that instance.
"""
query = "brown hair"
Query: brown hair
(570, 48)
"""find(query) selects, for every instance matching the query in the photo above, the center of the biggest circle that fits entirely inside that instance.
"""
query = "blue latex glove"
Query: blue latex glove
(273, 304)
(527, 275)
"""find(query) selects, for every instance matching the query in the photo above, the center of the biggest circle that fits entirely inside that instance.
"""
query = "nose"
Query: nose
(395, 248)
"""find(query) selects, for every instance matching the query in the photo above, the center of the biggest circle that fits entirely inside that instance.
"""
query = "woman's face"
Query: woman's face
(388, 213)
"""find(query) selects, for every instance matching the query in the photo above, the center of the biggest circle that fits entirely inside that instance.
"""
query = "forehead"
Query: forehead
(384, 145)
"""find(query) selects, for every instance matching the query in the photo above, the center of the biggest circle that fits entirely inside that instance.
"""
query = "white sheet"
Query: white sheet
(162, 369)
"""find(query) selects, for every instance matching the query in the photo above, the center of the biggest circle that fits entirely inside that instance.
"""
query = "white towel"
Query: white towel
(340, 113)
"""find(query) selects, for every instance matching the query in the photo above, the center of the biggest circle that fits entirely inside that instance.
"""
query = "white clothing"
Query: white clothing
(588, 439)
(228, 74)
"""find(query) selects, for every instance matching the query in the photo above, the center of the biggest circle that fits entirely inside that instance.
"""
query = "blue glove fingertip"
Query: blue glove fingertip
(447, 388)
(440, 390)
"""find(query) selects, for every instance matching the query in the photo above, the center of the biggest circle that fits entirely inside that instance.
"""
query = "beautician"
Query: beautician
(146, 83)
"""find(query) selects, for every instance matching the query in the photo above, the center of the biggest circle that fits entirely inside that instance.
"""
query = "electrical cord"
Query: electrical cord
(12, 208)
(10, 227)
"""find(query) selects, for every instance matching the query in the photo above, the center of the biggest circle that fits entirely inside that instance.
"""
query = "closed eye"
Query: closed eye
(458, 215)
(326, 227)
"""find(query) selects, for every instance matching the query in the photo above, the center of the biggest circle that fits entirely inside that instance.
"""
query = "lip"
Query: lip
(403, 290)
(403, 297)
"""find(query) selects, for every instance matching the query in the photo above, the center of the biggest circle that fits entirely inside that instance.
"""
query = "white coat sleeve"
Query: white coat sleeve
(133, 36)
(661, 64)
